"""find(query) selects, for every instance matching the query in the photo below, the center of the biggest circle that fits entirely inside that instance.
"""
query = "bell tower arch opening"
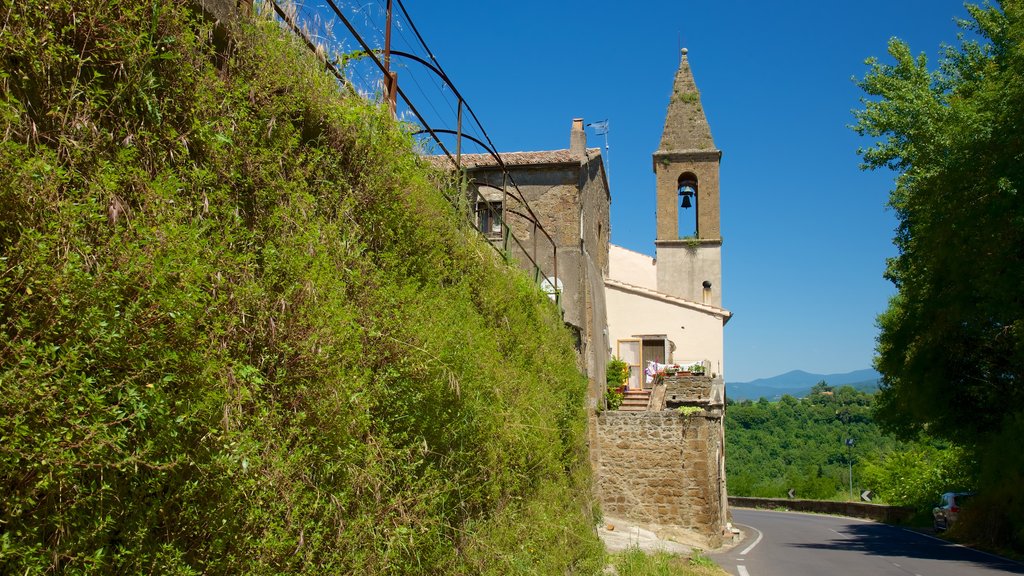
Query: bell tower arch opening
(689, 207)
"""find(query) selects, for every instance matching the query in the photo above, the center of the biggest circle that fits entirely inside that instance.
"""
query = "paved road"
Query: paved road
(794, 544)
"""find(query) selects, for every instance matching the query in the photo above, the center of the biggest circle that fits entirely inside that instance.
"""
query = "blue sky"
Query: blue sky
(806, 232)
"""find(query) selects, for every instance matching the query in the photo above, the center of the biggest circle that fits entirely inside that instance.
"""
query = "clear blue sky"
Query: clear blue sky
(806, 233)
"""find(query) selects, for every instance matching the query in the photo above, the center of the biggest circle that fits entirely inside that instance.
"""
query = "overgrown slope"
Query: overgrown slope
(241, 330)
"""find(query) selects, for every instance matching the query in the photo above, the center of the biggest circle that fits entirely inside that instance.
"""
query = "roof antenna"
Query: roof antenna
(601, 129)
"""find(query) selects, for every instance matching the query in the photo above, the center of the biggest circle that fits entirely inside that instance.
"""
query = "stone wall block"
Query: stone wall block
(659, 467)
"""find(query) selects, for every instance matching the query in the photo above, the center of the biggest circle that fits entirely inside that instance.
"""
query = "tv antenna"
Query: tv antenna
(601, 129)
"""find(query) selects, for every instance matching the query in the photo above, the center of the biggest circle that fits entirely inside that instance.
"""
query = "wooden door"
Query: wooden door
(630, 351)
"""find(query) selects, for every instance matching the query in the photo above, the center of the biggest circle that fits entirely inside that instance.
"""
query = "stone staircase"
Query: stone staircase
(635, 400)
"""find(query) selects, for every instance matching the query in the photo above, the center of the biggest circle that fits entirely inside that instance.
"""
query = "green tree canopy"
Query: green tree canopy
(951, 346)
(951, 340)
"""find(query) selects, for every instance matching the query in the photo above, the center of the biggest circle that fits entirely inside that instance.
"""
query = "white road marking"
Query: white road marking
(756, 542)
(742, 570)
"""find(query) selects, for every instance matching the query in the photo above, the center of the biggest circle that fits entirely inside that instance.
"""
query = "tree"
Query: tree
(951, 346)
(800, 443)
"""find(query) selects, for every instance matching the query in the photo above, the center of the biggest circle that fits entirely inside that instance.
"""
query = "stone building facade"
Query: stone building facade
(566, 192)
(688, 246)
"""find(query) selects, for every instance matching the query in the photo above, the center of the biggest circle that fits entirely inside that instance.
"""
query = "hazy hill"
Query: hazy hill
(798, 383)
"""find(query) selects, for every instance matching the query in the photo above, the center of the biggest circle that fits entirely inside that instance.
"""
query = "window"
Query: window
(488, 217)
(654, 350)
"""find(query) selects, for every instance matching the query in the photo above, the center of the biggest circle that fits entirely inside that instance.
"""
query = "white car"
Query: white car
(944, 515)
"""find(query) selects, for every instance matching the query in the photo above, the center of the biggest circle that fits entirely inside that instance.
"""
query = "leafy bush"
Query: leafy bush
(918, 474)
(616, 372)
(241, 330)
(616, 375)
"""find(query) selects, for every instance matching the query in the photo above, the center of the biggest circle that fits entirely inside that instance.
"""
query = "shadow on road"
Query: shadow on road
(882, 540)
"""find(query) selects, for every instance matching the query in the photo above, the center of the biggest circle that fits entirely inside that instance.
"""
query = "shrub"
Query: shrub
(616, 375)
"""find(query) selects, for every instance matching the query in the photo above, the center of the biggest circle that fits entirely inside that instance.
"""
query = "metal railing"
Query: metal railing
(313, 23)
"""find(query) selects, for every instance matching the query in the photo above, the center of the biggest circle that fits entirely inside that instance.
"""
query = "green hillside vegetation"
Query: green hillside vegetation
(801, 444)
(242, 331)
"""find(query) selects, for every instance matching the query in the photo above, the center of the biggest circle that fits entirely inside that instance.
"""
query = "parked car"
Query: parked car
(944, 515)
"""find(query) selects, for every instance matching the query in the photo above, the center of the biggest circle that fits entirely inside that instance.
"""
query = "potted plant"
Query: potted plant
(697, 369)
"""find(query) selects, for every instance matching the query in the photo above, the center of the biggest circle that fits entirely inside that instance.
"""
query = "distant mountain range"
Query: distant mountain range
(799, 383)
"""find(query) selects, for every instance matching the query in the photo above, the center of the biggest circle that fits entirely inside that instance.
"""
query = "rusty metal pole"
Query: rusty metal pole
(458, 158)
(554, 253)
(537, 262)
(390, 78)
(393, 98)
(505, 190)
(458, 139)
(504, 199)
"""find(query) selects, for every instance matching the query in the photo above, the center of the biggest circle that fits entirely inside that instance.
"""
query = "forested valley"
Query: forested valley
(802, 444)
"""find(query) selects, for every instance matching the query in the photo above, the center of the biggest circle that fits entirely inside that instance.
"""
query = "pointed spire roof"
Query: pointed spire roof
(686, 127)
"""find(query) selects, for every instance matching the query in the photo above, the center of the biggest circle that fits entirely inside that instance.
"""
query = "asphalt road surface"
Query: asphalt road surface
(794, 544)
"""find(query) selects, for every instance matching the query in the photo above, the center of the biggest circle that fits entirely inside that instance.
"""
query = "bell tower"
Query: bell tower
(689, 240)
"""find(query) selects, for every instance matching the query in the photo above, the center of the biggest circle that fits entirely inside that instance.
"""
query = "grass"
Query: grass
(636, 562)
(242, 330)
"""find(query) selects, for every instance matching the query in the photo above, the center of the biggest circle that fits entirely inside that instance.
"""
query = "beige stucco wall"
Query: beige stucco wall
(683, 266)
(631, 312)
(632, 267)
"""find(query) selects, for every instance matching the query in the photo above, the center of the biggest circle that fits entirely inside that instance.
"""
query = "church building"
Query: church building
(668, 309)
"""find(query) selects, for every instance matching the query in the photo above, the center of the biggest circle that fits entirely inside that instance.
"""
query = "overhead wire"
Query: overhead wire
(493, 148)
(366, 11)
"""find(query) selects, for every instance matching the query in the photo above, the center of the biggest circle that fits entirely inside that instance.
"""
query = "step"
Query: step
(635, 401)
(637, 392)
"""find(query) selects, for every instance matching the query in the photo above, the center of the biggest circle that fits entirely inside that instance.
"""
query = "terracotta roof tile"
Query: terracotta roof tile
(514, 158)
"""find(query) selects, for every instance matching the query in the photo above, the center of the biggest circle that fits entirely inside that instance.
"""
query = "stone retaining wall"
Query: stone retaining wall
(879, 512)
(663, 468)
(680, 390)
